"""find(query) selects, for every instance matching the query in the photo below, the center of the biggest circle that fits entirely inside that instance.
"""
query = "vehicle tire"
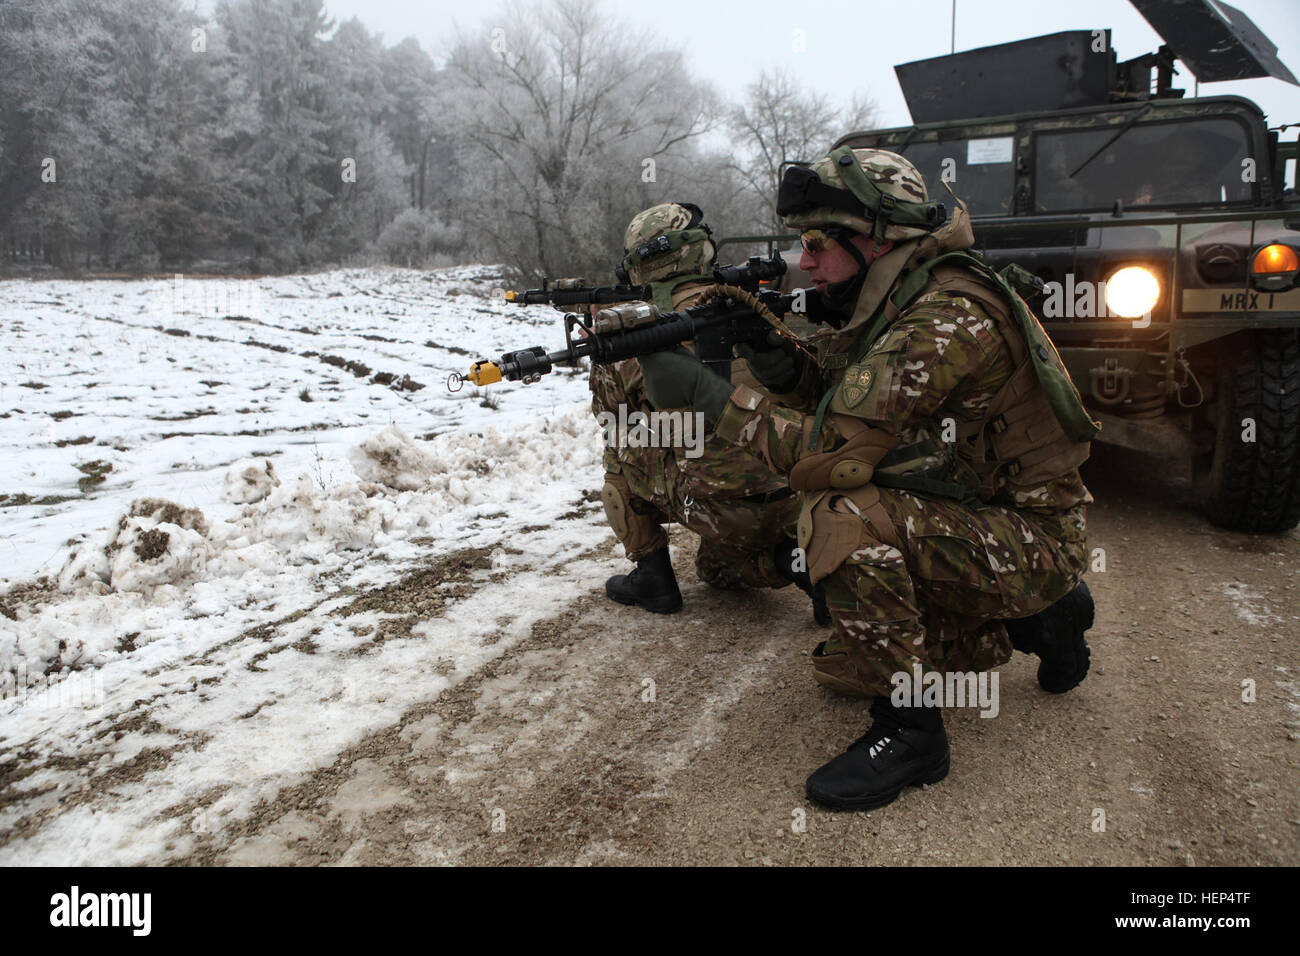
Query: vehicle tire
(1255, 485)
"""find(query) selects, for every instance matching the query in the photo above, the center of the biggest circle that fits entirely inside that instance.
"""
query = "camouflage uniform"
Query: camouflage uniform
(913, 577)
(737, 505)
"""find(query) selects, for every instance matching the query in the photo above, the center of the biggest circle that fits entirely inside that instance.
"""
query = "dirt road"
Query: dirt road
(608, 735)
(614, 736)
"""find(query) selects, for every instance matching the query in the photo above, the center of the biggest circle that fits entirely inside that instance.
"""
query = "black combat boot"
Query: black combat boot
(1056, 636)
(651, 584)
(906, 746)
(783, 555)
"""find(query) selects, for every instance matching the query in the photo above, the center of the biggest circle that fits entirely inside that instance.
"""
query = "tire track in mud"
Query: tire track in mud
(402, 386)
(560, 751)
(395, 383)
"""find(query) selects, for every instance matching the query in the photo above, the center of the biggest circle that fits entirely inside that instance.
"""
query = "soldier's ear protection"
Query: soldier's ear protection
(802, 190)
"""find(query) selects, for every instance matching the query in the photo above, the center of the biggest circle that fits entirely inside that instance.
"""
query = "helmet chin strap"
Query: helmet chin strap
(840, 293)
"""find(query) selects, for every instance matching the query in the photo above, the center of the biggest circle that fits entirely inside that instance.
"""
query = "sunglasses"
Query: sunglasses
(815, 241)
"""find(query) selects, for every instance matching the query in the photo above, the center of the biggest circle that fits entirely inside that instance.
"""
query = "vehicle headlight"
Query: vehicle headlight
(1132, 292)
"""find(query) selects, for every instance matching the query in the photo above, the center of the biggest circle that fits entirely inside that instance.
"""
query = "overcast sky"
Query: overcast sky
(852, 45)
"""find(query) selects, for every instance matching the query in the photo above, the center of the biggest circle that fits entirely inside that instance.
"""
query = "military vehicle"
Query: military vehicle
(1160, 224)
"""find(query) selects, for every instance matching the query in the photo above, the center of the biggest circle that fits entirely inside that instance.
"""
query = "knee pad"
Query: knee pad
(636, 531)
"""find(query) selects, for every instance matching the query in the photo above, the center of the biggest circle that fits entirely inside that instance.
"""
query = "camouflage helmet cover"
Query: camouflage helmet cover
(890, 173)
(686, 247)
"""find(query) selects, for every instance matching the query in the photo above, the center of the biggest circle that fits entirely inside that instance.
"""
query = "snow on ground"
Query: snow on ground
(168, 384)
(215, 479)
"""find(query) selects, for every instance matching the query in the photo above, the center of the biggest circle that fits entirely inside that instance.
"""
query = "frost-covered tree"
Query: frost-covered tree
(409, 115)
(142, 135)
(55, 73)
(178, 111)
(780, 122)
(368, 184)
(564, 115)
(139, 126)
(278, 47)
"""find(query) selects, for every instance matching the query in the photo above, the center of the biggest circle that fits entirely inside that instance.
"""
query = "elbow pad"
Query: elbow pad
(849, 466)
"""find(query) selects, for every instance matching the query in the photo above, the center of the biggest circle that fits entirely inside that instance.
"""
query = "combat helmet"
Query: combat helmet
(869, 191)
(667, 241)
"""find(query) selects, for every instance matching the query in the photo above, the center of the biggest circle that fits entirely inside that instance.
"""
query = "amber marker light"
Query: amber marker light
(1275, 258)
(1275, 267)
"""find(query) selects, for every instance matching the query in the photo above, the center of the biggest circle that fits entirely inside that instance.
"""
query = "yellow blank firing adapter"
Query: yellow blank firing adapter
(511, 295)
(484, 372)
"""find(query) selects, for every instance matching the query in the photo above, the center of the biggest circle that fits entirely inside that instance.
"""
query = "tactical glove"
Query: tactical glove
(774, 367)
(676, 379)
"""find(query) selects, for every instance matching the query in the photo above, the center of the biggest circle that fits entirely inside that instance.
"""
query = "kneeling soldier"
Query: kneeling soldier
(936, 446)
(743, 511)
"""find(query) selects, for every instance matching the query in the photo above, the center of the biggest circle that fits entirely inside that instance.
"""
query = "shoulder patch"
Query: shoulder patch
(856, 385)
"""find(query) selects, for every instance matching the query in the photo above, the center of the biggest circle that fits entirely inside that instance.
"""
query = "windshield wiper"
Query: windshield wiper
(1110, 142)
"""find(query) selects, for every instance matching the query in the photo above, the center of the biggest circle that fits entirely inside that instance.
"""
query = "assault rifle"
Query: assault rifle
(749, 276)
(734, 316)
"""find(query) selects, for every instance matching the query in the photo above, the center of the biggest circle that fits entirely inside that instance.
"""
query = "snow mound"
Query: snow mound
(471, 469)
(249, 480)
(394, 459)
(151, 553)
(155, 542)
(348, 516)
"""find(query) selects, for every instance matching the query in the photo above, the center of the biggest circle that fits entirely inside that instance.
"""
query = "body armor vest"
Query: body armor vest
(1022, 439)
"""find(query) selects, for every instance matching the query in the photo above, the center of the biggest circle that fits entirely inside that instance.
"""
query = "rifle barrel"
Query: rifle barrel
(669, 331)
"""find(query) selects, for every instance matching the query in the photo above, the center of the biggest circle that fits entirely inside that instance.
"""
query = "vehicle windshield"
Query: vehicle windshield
(1152, 165)
(979, 171)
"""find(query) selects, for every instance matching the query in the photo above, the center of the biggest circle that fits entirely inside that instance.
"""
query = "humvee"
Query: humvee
(1160, 225)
